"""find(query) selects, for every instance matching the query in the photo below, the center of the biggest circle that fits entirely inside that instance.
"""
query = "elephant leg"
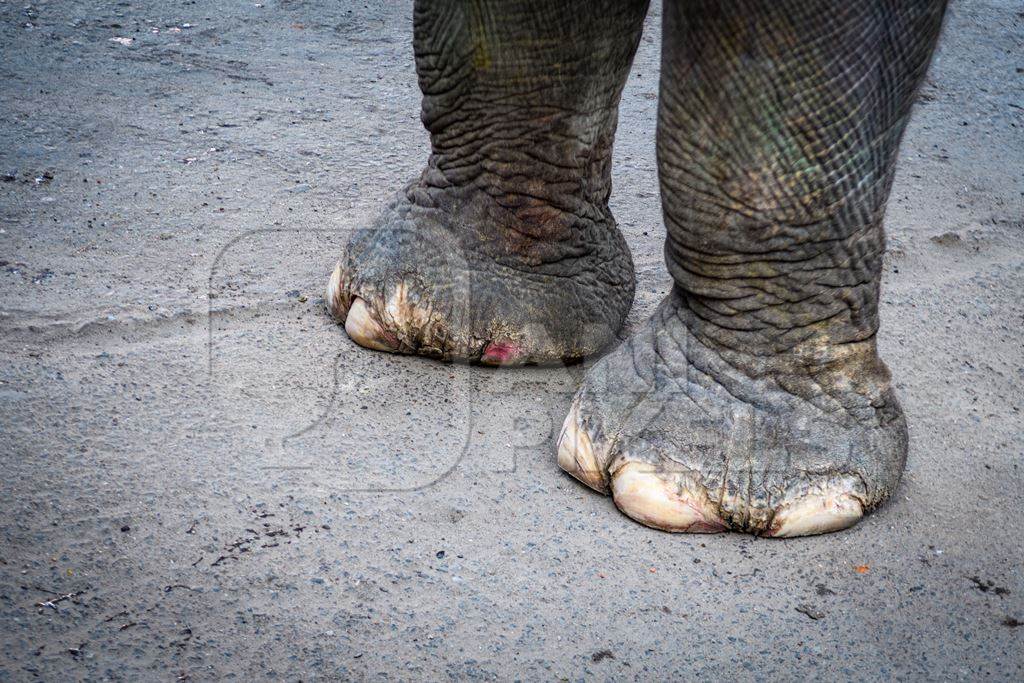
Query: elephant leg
(503, 251)
(754, 399)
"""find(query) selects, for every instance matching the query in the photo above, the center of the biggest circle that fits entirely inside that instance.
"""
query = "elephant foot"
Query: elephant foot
(463, 275)
(691, 438)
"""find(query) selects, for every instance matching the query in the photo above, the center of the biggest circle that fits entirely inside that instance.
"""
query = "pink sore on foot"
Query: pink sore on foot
(500, 353)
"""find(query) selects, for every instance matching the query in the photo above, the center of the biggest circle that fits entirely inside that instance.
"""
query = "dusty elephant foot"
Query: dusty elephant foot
(458, 275)
(687, 438)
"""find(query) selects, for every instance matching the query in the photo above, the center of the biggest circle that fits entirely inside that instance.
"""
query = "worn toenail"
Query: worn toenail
(818, 513)
(576, 453)
(664, 500)
(332, 296)
(365, 331)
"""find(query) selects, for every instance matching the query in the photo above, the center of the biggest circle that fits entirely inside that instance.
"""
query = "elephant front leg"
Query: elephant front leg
(503, 251)
(754, 399)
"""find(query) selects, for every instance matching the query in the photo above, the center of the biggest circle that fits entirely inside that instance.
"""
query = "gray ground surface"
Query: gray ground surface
(232, 489)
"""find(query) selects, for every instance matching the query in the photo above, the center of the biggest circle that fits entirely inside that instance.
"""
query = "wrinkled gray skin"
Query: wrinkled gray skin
(756, 385)
(506, 237)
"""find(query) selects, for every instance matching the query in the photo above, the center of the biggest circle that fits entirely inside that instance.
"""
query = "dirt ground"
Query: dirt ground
(203, 478)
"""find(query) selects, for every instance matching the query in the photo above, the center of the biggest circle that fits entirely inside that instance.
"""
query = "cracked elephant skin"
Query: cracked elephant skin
(754, 398)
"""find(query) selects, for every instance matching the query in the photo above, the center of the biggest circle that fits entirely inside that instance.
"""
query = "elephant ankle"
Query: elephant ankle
(523, 224)
(814, 333)
(819, 363)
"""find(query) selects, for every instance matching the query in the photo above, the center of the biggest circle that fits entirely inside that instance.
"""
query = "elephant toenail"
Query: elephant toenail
(664, 500)
(818, 513)
(332, 296)
(365, 331)
(576, 453)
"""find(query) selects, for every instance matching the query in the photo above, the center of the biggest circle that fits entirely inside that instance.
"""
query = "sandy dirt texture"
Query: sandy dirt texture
(203, 478)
